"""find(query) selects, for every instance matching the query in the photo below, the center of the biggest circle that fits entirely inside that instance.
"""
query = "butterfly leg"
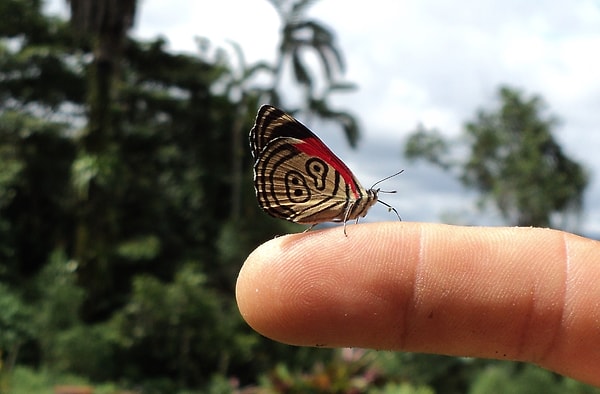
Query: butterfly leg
(346, 214)
(310, 228)
(390, 209)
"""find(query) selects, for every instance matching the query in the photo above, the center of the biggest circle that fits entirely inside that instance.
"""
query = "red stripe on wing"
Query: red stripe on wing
(315, 147)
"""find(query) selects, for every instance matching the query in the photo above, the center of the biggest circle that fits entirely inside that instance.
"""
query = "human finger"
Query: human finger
(524, 294)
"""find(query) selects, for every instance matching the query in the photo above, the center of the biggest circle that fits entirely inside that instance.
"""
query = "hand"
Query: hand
(526, 294)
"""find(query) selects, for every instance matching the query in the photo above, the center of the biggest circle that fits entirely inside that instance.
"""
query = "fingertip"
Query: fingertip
(318, 287)
(266, 286)
(249, 289)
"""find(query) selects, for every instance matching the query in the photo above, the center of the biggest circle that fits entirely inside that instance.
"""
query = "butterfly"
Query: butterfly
(298, 178)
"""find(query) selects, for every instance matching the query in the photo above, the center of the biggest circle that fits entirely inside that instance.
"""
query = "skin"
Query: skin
(526, 294)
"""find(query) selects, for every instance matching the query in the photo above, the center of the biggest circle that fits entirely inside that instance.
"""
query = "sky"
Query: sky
(428, 62)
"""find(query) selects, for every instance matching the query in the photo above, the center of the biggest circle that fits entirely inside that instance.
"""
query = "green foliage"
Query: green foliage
(301, 35)
(441, 373)
(337, 376)
(402, 388)
(15, 329)
(85, 350)
(29, 381)
(174, 325)
(58, 317)
(429, 145)
(26, 381)
(349, 371)
(141, 248)
(514, 160)
(524, 379)
(34, 185)
(60, 298)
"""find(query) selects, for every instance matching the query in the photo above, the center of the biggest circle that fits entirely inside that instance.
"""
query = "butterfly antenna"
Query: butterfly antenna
(385, 179)
(389, 207)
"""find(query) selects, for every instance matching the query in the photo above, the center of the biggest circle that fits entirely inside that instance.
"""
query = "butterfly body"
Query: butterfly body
(298, 178)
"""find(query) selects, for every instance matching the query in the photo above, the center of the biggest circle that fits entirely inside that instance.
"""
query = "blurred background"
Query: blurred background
(126, 197)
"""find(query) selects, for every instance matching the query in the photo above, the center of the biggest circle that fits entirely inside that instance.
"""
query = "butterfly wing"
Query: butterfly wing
(297, 177)
(271, 123)
(295, 186)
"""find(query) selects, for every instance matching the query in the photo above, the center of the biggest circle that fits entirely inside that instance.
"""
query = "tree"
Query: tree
(300, 34)
(513, 160)
(40, 88)
(103, 26)
(15, 329)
